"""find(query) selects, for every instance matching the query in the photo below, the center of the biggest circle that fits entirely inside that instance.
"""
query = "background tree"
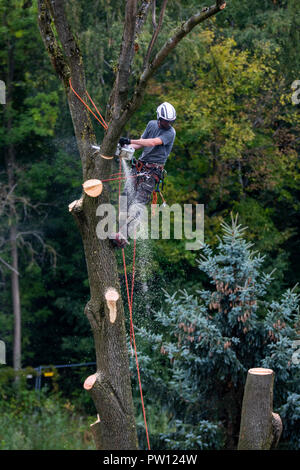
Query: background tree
(29, 114)
(211, 337)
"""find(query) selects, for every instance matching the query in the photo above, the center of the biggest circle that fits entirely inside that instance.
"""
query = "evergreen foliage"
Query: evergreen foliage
(237, 149)
(210, 338)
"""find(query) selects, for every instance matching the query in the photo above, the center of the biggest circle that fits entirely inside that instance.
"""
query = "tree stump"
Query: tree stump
(260, 428)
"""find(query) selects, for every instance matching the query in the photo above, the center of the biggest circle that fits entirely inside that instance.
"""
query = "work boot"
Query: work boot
(119, 241)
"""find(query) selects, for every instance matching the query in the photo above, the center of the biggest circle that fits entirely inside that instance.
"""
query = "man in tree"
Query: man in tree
(157, 141)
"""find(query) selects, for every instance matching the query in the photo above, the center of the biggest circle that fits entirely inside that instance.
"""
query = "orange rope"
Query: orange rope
(154, 201)
(133, 336)
(130, 303)
(102, 118)
(103, 123)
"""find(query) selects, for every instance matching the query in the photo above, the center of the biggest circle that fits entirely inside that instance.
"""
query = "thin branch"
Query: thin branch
(142, 16)
(154, 24)
(183, 31)
(167, 48)
(45, 246)
(156, 31)
(121, 86)
(5, 197)
(9, 266)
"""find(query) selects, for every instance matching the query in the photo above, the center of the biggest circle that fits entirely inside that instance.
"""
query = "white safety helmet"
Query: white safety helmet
(166, 111)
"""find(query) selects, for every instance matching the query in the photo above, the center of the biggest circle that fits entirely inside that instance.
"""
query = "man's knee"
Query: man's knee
(144, 190)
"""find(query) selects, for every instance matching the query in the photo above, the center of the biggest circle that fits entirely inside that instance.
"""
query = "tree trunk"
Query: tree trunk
(15, 287)
(15, 290)
(260, 428)
(110, 387)
(111, 392)
(10, 168)
(122, 419)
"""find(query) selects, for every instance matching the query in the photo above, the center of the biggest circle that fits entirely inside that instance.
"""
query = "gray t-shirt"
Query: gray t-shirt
(159, 153)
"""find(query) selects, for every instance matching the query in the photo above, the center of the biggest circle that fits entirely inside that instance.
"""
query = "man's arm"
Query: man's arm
(139, 143)
(136, 146)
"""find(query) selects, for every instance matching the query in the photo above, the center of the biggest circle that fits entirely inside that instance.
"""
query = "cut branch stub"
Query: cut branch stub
(93, 187)
(89, 382)
(96, 426)
(115, 426)
(260, 428)
(111, 297)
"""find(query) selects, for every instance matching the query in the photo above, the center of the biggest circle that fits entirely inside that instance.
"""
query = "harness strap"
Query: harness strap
(140, 165)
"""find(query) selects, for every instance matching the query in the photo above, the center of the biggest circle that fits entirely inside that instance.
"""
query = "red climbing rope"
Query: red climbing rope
(102, 121)
(133, 335)
(130, 297)
(119, 178)
(130, 303)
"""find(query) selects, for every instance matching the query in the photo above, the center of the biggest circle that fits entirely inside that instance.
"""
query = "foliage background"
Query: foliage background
(237, 149)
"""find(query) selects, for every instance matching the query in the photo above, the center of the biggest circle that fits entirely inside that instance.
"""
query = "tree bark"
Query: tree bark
(260, 428)
(110, 387)
(15, 291)
(15, 285)
(100, 391)
(113, 397)
(10, 158)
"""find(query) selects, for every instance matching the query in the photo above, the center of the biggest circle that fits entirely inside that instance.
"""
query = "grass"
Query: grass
(32, 422)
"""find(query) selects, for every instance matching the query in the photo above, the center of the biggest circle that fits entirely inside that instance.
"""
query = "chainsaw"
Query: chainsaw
(126, 152)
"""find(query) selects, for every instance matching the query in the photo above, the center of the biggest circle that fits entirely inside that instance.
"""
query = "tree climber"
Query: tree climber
(157, 142)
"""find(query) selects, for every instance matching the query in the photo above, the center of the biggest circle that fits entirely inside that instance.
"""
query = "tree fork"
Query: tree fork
(260, 428)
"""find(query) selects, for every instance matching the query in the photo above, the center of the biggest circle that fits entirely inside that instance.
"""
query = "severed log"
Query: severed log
(260, 428)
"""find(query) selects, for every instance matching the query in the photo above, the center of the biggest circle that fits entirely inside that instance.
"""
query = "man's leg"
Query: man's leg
(138, 196)
(127, 197)
(142, 198)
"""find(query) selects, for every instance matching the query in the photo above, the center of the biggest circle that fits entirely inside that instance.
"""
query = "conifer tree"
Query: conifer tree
(213, 336)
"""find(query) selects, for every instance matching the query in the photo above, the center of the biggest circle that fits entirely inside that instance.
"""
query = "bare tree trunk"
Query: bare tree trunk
(15, 286)
(110, 386)
(260, 427)
(15, 290)
(10, 168)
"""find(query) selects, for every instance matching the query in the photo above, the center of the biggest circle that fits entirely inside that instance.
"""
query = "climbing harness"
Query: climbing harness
(150, 168)
(92, 187)
(157, 190)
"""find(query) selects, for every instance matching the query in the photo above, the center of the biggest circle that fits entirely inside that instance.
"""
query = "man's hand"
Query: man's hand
(124, 141)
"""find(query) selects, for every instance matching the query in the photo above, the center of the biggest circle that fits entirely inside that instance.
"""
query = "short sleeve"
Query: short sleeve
(146, 132)
(168, 137)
